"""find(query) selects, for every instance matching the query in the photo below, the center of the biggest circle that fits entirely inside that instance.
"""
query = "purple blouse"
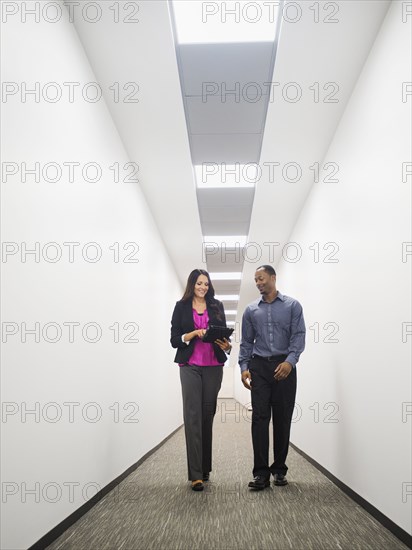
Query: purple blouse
(203, 353)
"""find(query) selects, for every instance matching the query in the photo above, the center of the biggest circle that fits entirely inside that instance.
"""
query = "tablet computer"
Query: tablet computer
(215, 332)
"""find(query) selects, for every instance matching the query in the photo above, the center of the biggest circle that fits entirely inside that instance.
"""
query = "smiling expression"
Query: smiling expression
(265, 283)
(201, 287)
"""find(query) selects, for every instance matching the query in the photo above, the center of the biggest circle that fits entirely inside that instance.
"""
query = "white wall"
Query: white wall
(37, 451)
(359, 385)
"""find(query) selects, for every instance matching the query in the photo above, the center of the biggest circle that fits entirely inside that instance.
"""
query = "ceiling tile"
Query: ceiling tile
(228, 148)
(226, 197)
(225, 287)
(216, 117)
(227, 66)
(230, 260)
(222, 227)
(238, 214)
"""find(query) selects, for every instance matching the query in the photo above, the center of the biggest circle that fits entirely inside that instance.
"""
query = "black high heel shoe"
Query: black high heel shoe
(197, 485)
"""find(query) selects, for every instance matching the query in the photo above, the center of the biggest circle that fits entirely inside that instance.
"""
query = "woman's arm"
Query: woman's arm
(177, 332)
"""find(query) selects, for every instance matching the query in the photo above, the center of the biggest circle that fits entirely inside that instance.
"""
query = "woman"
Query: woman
(201, 369)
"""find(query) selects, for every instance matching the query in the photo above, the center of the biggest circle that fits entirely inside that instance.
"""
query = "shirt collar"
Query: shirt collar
(279, 296)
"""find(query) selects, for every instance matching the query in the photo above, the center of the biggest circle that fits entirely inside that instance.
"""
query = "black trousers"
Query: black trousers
(271, 398)
(200, 387)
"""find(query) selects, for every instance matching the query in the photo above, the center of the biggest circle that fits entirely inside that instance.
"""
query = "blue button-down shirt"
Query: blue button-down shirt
(275, 328)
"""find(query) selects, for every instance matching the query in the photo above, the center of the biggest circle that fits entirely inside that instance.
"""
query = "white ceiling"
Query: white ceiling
(226, 148)
(225, 211)
(225, 98)
(226, 91)
(155, 136)
(229, 63)
(302, 132)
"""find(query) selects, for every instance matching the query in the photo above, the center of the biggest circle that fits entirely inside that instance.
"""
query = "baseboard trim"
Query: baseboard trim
(399, 533)
(57, 531)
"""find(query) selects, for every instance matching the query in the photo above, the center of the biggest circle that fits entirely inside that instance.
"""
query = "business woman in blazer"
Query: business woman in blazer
(201, 369)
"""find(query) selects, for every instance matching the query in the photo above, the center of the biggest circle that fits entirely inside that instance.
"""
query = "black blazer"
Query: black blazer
(182, 323)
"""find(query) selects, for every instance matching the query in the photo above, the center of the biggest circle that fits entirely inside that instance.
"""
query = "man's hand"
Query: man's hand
(246, 378)
(283, 370)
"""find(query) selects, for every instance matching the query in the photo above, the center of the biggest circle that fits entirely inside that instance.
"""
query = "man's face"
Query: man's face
(265, 283)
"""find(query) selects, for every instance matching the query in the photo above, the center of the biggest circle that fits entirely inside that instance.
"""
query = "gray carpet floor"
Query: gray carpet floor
(154, 507)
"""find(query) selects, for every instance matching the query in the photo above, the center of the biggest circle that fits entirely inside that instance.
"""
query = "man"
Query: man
(273, 337)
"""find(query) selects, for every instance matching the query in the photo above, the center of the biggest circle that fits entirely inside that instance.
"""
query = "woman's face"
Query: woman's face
(201, 286)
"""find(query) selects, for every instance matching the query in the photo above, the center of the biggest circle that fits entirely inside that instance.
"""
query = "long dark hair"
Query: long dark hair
(190, 290)
(191, 282)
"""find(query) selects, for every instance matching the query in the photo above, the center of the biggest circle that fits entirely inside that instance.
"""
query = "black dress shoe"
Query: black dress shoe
(206, 476)
(197, 485)
(280, 479)
(259, 483)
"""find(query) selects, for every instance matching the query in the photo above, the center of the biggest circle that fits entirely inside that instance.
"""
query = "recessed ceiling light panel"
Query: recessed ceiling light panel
(225, 21)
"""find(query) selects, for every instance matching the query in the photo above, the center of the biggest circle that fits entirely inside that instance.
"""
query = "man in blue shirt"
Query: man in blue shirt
(273, 337)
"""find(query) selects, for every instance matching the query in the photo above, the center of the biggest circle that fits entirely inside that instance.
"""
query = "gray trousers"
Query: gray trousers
(200, 386)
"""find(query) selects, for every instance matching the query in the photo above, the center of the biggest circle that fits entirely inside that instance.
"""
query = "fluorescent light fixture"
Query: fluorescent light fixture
(231, 311)
(210, 175)
(224, 241)
(227, 297)
(233, 323)
(228, 276)
(225, 21)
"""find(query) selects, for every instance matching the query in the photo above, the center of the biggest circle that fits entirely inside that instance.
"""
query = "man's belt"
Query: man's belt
(271, 358)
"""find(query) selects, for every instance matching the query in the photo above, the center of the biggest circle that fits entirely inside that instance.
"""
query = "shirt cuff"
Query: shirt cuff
(183, 339)
(291, 359)
(244, 366)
